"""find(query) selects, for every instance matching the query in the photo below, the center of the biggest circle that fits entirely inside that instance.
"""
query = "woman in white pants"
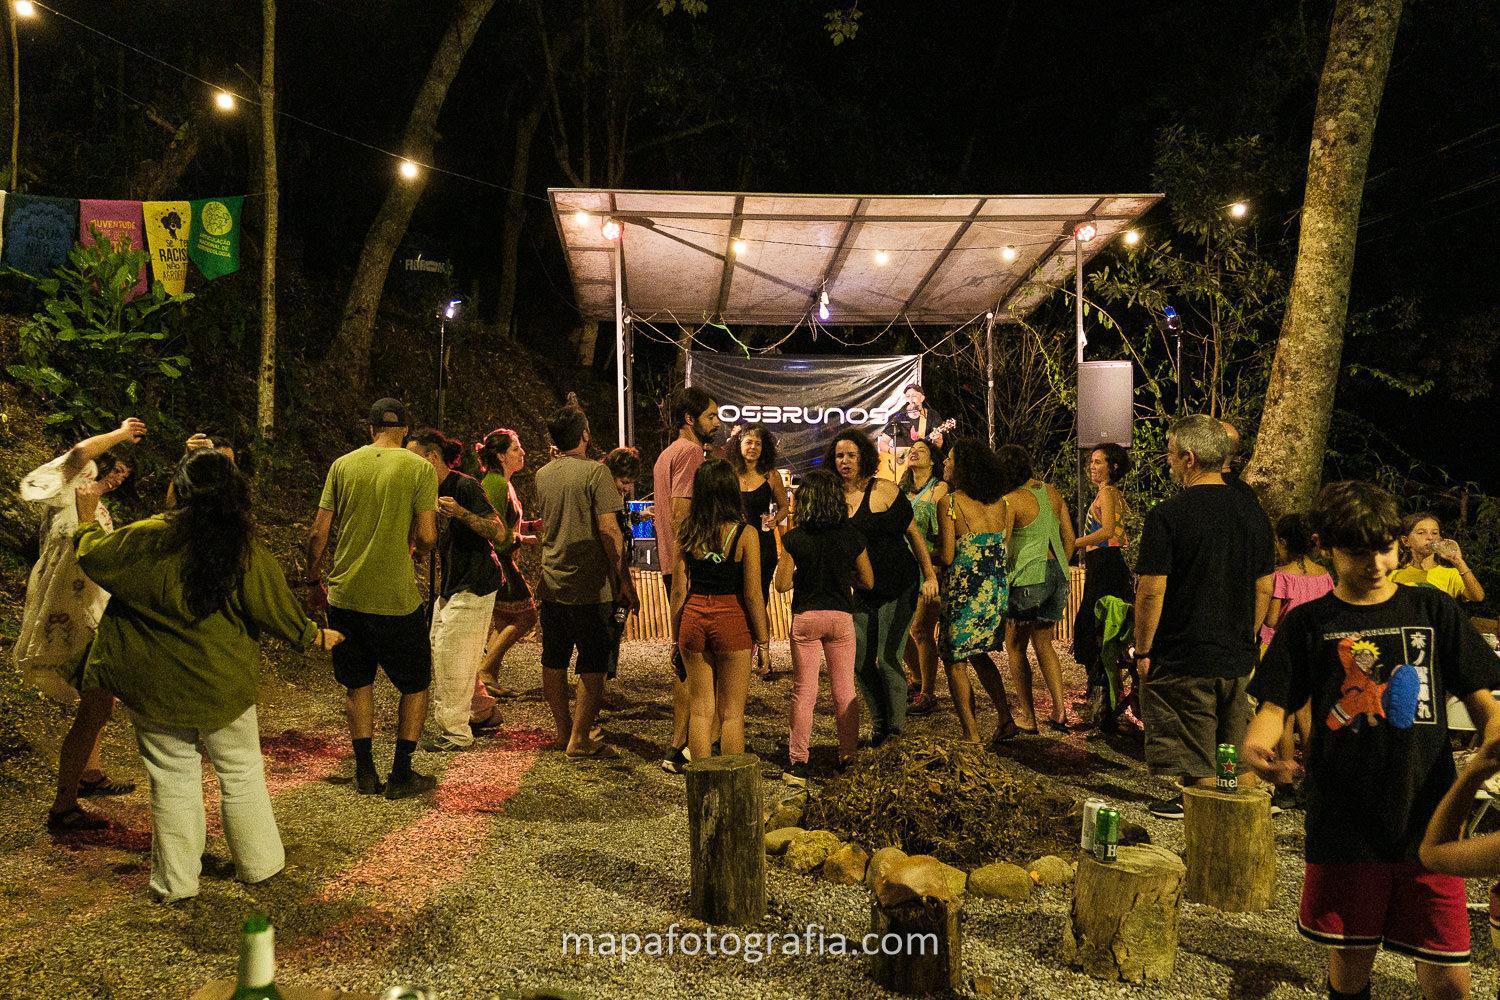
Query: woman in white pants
(191, 591)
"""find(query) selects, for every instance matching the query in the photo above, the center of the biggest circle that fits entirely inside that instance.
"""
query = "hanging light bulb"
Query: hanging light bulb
(24, 8)
(824, 297)
(224, 100)
(610, 229)
(409, 170)
(1085, 232)
(740, 248)
(823, 312)
(882, 258)
(1132, 237)
(581, 218)
(1239, 210)
(1009, 254)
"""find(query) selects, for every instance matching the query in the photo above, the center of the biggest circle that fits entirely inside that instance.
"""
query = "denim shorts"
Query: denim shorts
(1045, 602)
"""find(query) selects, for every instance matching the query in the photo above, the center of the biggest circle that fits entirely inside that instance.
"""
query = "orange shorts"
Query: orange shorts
(714, 623)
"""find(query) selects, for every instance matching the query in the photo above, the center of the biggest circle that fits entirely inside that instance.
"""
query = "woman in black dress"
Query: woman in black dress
(752, 452)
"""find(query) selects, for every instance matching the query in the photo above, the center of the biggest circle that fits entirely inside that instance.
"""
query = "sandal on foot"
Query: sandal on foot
(1059, 727)
(75, 820)
(89, 788)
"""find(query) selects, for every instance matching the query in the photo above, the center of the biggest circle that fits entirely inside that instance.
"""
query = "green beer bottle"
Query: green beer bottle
(257, 961)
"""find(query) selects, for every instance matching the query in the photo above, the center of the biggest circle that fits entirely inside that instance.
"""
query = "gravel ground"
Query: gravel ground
(469, 892)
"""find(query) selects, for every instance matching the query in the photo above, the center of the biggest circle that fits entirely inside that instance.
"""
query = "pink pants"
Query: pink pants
(833, 631)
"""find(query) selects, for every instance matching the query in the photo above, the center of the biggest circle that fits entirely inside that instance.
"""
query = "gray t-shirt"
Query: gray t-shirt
(571, 492)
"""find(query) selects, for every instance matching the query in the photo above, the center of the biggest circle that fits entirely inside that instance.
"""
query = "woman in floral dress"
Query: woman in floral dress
(975, 524)
(63, 608)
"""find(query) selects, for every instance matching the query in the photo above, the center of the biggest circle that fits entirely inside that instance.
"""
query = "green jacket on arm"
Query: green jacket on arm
(169, 668)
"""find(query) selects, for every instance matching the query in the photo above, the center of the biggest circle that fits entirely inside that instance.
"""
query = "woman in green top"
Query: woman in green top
(501, 456)
(191, 592)
(1043, 543)
(922, 482)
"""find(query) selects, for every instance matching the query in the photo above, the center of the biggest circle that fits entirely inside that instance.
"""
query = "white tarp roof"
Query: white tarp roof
(933, 259)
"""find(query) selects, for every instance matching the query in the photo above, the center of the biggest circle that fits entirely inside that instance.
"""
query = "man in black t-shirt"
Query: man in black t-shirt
(465, 600)
(1205, 568)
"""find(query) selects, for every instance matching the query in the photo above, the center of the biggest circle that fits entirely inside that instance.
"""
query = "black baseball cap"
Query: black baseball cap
(389, 412)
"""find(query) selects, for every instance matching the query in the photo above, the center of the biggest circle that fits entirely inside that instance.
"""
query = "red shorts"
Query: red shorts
(1400, 905)
(714, 623)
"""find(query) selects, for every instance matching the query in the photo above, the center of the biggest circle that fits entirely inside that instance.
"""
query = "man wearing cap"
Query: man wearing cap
(381, 498)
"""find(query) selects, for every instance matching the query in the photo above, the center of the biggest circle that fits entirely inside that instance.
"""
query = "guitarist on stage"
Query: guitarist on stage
(914, 423)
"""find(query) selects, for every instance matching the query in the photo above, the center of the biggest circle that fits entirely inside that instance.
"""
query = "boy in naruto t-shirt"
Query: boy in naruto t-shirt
(1377, 662)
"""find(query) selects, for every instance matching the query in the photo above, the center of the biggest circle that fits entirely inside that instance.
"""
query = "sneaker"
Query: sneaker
(443, 743)
(676, 761)
(795, 775)
(409, 785)
(1166, 808)
(368, 782)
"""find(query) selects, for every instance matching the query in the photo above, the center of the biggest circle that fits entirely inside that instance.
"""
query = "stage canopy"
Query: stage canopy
(693, 257)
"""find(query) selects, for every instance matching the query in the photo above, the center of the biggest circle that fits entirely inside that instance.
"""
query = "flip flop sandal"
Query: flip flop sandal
(75, 820)
(499, 692)
(601, 751)
(89, 788)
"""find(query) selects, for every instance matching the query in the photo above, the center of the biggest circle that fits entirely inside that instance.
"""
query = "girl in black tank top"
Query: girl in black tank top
(716, 605)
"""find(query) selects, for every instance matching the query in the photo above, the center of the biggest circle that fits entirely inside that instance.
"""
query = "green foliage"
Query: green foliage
(92, 352)
(842, 23)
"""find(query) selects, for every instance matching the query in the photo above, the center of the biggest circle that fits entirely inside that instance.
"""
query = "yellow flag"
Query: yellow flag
(167, 224)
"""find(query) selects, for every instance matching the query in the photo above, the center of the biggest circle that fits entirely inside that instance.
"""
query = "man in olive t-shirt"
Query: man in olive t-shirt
(381, 499)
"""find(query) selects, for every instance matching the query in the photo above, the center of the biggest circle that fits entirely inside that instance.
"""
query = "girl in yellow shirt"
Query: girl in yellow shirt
(1429, 559)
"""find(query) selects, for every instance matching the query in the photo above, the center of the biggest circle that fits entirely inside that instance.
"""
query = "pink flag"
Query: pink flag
(114, 221)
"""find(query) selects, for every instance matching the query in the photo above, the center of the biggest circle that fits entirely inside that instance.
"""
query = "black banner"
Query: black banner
(804, 401)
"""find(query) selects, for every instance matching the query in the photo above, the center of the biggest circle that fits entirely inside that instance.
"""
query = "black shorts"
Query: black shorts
(396, 643)
(589, 628)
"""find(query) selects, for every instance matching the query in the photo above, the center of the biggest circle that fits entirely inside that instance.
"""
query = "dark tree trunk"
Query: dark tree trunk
(515, 218)
(356, 329)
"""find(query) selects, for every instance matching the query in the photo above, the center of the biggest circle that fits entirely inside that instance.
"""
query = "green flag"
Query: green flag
(214, 240)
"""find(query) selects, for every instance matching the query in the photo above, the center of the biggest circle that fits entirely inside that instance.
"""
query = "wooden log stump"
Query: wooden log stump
(1231, 848)
(726, 829)
(1123, 923)
(918, 968)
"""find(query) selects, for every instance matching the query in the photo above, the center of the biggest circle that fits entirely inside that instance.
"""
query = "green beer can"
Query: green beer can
(1107, 835)
(1228, 768)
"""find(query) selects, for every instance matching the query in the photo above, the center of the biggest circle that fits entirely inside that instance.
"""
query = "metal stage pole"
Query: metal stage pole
(989, 376)
(1078, 510)
(621, 431)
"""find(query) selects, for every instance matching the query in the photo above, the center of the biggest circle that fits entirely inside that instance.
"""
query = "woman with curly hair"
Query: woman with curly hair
(716, 607)
(752, 452)
(501, 457)
(191, 592)
(820, 557)
(903, 571)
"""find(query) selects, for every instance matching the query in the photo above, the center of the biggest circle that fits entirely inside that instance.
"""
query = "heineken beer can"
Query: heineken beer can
(1090, 822)
(1107, 835)
(1228, 768)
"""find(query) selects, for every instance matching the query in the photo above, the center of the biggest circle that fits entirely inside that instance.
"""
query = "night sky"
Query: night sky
(952, 97)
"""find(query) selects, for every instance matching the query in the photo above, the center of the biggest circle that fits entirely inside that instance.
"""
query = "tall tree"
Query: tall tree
(356, 329)
(265, 409)
(1289, 448)
(515, 216)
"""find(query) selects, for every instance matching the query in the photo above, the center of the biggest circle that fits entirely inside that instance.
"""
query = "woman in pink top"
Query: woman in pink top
(1298, 579)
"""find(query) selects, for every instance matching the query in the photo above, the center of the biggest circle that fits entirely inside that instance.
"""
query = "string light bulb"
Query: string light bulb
(225, 100)
(741, 248)
(823, 312)
(1132, 237)
(1009, 254)
(882, 258)
(1239, 210)
(581, 218)
(610, 230)
(1085, 232)
(24, 8)
(409, 170)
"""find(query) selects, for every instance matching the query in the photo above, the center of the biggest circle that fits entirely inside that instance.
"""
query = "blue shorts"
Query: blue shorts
(1043, 603)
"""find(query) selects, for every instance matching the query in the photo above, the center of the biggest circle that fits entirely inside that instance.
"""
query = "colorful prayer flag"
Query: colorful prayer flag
(167, 236)
(214, 239)
(114, 221)
(39, 232)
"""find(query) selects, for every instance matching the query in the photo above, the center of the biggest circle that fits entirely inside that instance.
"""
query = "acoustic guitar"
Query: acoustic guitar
(893, 461)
